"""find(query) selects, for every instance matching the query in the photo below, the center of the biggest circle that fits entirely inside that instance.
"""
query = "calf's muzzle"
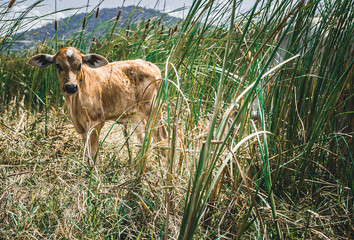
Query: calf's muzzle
(70, 88)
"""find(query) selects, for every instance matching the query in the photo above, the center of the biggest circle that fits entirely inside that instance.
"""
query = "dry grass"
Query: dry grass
(47, 191)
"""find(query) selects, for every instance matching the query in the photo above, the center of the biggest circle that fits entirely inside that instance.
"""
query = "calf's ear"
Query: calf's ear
(94, 60)
(41, 60)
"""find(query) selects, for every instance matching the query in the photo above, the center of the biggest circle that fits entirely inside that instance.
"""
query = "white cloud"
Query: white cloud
(59, 15)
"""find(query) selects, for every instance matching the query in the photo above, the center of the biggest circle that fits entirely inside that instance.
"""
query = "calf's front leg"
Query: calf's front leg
(90, 139)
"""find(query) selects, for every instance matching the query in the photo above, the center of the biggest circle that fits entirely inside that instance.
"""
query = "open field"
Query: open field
(259, 112)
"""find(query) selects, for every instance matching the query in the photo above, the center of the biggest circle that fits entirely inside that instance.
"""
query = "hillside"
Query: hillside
(70, 27)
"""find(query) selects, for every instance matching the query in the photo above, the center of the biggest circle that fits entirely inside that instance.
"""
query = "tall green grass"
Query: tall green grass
(285, 174)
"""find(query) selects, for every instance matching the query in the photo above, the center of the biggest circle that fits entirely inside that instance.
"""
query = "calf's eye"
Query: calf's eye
(79, 67)
(59, 67)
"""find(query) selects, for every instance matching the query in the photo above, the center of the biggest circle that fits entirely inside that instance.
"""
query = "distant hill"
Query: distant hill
(70, 26)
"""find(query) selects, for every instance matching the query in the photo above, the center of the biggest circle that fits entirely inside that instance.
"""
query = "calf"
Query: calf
(96, 91)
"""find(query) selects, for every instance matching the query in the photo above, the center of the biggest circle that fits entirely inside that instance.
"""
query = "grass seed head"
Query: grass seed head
(147, 24)
(118, 15)
(128, 29)
(84, 23)
(11, 4)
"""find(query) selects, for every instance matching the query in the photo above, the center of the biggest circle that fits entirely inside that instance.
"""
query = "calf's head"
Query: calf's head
(68, 62)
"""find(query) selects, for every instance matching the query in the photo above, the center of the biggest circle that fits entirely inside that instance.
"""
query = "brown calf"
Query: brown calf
(96, 91)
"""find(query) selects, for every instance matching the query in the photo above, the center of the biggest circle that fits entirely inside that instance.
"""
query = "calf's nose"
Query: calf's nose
(70, 88)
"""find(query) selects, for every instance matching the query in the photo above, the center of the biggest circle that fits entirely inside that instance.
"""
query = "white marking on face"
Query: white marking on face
(69, 52)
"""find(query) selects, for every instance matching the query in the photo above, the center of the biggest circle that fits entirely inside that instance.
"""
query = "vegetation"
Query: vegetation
(281, 171)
